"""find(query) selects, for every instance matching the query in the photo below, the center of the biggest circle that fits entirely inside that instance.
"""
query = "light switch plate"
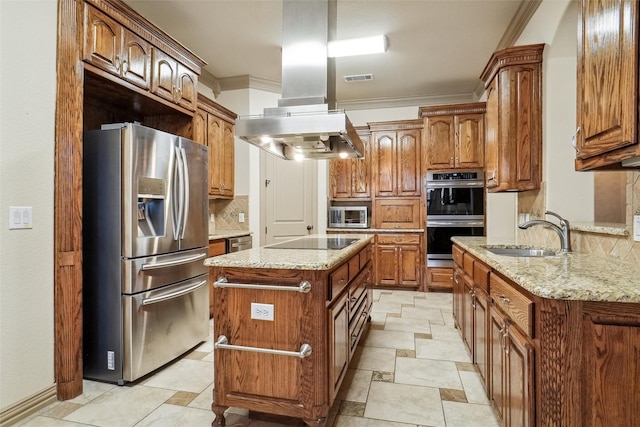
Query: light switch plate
(636, 228)
(20, 217)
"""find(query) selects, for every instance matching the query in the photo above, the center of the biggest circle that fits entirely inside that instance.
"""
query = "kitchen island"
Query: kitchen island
(287, 320)
(556, 339)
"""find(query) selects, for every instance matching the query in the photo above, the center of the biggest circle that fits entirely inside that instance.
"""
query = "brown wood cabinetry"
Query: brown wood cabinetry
(174, 81)
(213, 125)
(330, 317)
(439, 279)
(607, 104)
(113, 48)
(351, 178)
(395, 152)
(398, 259)
(397, 212)
(453, 136)
(216, 247)
(513, 144)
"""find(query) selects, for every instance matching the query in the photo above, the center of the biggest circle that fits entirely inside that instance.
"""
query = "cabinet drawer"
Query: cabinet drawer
(516, 305)
(338, 280)
(354, 266)
(467, 263)
(217, 247)
(365, 256)
(481, 275)
(356, 325)
(399, 239)
(457, 253)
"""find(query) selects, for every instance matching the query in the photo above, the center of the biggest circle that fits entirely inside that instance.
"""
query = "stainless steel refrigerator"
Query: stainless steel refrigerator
(145, 207)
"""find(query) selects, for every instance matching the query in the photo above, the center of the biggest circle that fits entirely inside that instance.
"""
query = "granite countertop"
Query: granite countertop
(570, 276)
(226, 234)
(292, 259)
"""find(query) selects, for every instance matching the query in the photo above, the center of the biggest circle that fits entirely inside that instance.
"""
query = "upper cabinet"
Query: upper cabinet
(351, 178)
(395, 151)
(136, 54)
(213, 125)
(607, 92)
(513, 137)
(454, 136)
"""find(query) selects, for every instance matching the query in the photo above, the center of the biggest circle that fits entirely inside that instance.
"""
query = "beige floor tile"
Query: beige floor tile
(181, 398)
(390, 339)
(204, 399)
(183, 375)
(352, 408)
(405, 403)
(91, 390)
(374, 359)
(442, 350)
(453, 395)
(387, 307)
(355, 386)
(350, 421)
(42, 421)
(428, 373)
(398, 297)
(121, 406)
(473, 388)
(170, 415)
(425, 313)
(436, 300)
(445, 332)
(407, 325)
(385, 377)
(378, 317)
(468, 415)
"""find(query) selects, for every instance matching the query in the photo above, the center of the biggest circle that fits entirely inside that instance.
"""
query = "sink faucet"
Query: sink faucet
(562, 230)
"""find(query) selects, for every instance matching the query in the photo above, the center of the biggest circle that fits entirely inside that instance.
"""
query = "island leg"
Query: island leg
(219, 412)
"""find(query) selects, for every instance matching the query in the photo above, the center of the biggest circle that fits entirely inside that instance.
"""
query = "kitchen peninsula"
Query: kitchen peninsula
(556, 339)
(287, 320)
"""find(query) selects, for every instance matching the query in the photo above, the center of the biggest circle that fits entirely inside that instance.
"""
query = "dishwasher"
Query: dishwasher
(240, 243)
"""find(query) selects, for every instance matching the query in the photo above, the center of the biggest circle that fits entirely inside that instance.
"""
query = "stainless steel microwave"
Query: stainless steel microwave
(348, 217)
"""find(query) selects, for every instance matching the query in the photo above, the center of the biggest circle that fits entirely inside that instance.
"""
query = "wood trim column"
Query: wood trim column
(68, 202)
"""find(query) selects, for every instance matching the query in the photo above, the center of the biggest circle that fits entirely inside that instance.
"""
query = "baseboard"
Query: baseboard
(21, 410)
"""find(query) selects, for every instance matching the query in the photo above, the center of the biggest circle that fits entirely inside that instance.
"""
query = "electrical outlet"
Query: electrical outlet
(262, 311)
(636, 227)
(241, 217)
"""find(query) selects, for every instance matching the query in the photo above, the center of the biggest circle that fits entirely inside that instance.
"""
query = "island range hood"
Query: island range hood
(305, 125)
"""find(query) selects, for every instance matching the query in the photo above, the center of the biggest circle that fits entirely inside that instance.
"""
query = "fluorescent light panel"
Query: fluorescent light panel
(360, 46)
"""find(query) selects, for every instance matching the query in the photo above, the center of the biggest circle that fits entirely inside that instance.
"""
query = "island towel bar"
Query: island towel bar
(223, 342)
(304, 286)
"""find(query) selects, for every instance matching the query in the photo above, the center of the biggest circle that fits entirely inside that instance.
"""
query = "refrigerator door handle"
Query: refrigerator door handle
(185, 198)
(178, 192)
(173, 294)
(173, 262)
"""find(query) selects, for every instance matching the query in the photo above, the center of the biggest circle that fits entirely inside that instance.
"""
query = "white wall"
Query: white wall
(27, 108)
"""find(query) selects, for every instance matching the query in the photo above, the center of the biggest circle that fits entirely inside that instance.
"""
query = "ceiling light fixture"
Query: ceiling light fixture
(359, 46)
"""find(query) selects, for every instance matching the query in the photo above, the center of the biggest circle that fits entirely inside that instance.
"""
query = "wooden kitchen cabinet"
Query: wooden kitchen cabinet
(173, 81)
(113, 48)
(339, 344)
(351, 178)
(453, 136)
(398, 260)
(213, 125)
(607, 84)
(440, 279)
(513, 119)
(395, 152)
(216, 247)
(397, 213)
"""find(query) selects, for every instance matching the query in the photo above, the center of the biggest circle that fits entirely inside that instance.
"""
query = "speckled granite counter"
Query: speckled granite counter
(293, 259)
(226, 234)
(376, 230)
(572, 276)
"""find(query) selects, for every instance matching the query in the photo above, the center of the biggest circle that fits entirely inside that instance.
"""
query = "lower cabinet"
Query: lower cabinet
(397, 260)
(439, 279)
(216, 247)
(339, 343)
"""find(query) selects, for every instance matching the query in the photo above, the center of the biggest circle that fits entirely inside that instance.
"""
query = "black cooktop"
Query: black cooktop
(322, 243)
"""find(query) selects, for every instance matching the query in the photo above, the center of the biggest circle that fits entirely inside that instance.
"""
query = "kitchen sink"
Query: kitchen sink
(523, 252)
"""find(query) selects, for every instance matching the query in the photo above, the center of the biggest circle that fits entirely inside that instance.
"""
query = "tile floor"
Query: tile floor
(411, 370)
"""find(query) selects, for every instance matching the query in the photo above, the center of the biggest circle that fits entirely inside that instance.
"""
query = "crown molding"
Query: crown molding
(519, 22)
(250, 82)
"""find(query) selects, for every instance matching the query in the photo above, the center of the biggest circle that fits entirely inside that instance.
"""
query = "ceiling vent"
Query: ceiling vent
(358, 78)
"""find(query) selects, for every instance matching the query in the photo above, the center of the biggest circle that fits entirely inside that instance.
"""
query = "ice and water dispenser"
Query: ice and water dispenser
(151, 207)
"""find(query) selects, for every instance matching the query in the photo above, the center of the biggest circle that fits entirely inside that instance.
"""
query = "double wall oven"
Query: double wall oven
(455, 207)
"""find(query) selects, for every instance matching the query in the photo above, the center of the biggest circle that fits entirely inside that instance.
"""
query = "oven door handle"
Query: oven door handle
(455, 223)
(455, 184)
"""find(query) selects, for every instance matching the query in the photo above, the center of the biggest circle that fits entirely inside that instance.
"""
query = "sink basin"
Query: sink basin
(522, 252)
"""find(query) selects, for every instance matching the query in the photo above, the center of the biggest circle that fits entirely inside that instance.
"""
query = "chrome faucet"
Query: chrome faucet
(562, 230)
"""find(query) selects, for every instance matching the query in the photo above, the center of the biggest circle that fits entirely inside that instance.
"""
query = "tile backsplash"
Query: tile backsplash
(227, 214)
(622, 248)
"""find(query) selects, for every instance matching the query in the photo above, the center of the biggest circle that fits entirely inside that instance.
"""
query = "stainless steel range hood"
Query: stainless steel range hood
(305, 124)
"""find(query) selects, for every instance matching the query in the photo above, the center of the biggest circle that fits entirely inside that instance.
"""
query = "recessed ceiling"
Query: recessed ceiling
(437, 48)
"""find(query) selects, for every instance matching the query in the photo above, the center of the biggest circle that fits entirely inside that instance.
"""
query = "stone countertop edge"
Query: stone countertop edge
(570, 276)
(376, 230)
(291, 259)
(226, 234)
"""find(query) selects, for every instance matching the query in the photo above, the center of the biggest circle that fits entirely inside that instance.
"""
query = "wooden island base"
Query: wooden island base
(284, 336)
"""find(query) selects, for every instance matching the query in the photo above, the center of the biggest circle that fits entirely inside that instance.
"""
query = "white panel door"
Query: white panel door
(290, 198)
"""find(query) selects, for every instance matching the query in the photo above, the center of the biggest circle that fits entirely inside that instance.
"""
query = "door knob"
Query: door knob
(309, 227)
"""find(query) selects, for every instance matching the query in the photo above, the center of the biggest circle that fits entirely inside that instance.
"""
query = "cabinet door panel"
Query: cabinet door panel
(164, 75)
(480, 336)
(384, 159)
(409, 265)
(520, 396)
(470, 141)
(228, 160)
(386, 265)
(340, 178)
(136, 66)
(607, 76)
(497, 387)
(361, 176)
(187, 92)
(216, 153)
(440, 142)
(408, 167)
(339, 339)
(102, 40)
